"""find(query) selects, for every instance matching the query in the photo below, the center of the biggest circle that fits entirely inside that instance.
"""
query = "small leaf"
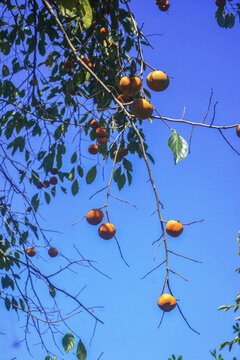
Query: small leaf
(121, 181)
(68, 342)
(116, 174)
(129, 176)
(91, 175)
(74, 158)
(47, 197)
(80, 170)
(127, 165)
(7, 303)
(81, 351)
(75, 187)
(5, 71)
(178, 146)
(52, 291)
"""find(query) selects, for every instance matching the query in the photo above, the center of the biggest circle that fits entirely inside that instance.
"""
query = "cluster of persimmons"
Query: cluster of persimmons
(107, 230)
(46, 183)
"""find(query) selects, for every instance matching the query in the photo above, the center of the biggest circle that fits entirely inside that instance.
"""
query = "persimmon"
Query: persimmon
(124, 98)
(102, 140)
(68, 65)
(119, 156)
(174, 228)
(123, 151)
(130, 85)
(52, 252)
(46, 183)
(163, 5)
(101, 132)
(53, 180)
(39, 185)
(157, 80)
(54, 171)
(94, 124)
(85, 60)
(89, 65)
(106, 231)
(220, 3)
(104, 32)
(31, 251)
(94, 216)
(238, 130)
(93, 149)
(167, 302)
(141, 108)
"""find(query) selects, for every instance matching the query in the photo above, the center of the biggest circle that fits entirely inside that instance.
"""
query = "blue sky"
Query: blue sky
(200, 56)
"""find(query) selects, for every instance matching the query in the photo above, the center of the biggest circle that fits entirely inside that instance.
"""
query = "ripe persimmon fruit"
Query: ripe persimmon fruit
(106, 231)
(94, 124)
(104, 32)
(124, 98)
(31, 251)
(93, 149)
(130, 85)
(53, 180)
(85, 60)
(123, 151)
(141, 108)
(174, 228)
(163, 4)
(46, 183)
(102, 140)
(238, 130)
(101, 132)
(157, 80)
(220, 3)
(119, 156)
(94, 216)
(167, 302)
(52, 252)
(39, 185)
(54, 171)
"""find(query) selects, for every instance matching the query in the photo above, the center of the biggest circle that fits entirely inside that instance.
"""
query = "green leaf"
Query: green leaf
(178, 146)
(52, 291)
(229, 20)
(81, 351)
(86, 13)
(91, 175)
(5, 71)
(220, 16)
(80, 170)
(22, 303)
(129, 176)
(47, 197)
(121, 181)
(68, 342)
(7, 303)
(133, 68)
(75, 187)
(74, 158)
(116, 174)
(127, 165)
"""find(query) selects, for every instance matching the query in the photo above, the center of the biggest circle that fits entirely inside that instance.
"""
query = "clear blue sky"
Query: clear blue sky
(192, 48)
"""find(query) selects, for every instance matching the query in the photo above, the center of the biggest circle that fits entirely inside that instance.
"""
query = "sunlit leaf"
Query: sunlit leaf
(178, 146)
(68, 342)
